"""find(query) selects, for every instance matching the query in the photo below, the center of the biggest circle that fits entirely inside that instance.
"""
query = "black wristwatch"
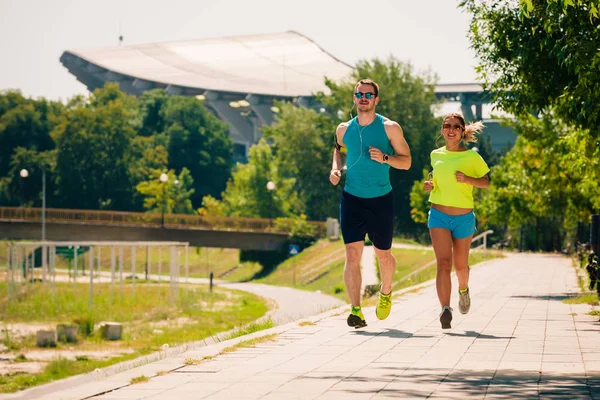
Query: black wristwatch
(385, 157)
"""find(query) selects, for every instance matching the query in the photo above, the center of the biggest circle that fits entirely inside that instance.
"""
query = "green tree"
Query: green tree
(538, 190)
(247, 193)
(407, 97)
(148, 157)
(27, 191)
(200, 142)
(540, 55)
(152, 108)
(25, 123)
(94, 151)
(303, 145)
(419, 200)
(172, 196)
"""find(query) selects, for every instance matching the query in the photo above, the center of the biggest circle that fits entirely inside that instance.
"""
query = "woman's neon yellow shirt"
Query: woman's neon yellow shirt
(447, 191)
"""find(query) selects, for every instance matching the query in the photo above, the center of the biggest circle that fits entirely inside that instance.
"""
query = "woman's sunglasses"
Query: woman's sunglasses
(453, 127)
(368, 95)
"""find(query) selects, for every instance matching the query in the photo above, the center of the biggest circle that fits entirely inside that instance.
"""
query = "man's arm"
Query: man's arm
(338, 158)
(401, 158)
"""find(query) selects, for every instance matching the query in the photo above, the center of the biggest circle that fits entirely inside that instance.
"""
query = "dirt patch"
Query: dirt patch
(178, 322)
(7, 368)
(71, 354)
(20, 330)
(36, 359)
(215, 306)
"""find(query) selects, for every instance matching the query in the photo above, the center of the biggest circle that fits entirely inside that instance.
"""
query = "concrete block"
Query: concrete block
(67, 333)
(46, 338)
(111, 330)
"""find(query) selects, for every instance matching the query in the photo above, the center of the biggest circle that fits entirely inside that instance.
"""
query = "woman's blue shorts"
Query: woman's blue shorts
(460, 226)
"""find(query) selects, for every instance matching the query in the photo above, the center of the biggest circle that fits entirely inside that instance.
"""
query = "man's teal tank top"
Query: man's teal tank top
(366, 178)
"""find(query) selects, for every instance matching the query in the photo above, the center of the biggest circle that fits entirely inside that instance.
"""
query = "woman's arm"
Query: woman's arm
(482, 183)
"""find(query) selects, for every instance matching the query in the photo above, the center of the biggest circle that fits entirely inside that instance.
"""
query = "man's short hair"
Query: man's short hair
(368, 82)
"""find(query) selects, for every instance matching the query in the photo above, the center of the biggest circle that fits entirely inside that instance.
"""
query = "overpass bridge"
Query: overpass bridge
(17, 223)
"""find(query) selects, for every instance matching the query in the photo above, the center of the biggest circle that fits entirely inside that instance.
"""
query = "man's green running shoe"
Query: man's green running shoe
(356, 318)
(384, 306)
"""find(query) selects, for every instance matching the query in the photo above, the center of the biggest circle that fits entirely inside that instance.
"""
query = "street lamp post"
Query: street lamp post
(24, 174)
(163, 178)
(43, 205)
(270, 188)
(176, 202)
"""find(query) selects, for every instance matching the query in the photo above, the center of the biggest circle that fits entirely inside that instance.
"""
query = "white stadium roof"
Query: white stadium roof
(284, 64)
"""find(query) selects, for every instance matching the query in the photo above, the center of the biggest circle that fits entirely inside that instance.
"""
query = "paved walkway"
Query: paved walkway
(518, 341)
(291, 304)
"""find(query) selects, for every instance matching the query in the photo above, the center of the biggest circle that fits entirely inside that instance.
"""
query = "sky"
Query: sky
(430, 34)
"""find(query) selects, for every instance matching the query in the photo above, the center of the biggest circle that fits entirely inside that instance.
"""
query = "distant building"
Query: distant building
(237, 77)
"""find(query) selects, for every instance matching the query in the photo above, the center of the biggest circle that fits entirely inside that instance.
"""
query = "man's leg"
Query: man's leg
(352, 274)
(387, 265)
(380, 228)
(353, 279)
(353, 230)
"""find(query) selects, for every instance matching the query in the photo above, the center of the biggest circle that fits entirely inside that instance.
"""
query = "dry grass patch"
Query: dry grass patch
(250, 343)
(192, 361)
(139, 379)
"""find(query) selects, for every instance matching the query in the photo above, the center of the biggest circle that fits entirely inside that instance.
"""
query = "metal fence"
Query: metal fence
(22, 258)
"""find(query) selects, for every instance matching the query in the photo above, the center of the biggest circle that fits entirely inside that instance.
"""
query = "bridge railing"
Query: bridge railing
(483, 244)
(96, 217)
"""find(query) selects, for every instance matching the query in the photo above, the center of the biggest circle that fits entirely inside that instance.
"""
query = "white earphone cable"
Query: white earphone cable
(361, 147)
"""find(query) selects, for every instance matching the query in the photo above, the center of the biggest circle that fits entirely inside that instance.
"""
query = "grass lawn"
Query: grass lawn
(149, 320)
(325, 256)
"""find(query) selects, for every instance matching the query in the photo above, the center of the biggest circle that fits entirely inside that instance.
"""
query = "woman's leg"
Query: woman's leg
(461, 260)
(442, 246)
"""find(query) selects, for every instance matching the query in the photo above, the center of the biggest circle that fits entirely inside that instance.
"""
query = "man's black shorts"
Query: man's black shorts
(372, 216)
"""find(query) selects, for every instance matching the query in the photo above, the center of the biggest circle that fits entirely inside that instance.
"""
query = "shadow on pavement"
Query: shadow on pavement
(437, 383)
(559, 297)
(478, 335)
(393, 333)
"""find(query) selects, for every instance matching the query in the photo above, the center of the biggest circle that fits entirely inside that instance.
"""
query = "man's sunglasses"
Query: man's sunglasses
(368, 95)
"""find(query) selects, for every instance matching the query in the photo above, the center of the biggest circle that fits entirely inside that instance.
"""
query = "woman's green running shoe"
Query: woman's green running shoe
(356, 318)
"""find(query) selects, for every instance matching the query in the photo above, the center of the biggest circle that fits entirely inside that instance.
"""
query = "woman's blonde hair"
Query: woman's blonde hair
(470, 131)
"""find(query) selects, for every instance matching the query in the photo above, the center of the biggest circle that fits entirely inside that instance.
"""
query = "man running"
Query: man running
(373, 144)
